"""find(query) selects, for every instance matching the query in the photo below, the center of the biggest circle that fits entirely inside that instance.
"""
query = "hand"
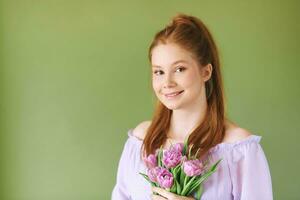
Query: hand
(167, 195)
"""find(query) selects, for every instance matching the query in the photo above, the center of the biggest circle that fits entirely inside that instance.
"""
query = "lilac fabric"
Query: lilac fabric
(243, 174)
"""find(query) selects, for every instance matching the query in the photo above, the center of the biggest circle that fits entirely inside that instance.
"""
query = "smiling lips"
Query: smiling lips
(173, 94)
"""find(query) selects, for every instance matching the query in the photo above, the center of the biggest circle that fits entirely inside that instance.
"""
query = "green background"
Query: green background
(74, 78)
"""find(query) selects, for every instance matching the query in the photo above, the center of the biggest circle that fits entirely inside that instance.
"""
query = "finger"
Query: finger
(164, 193)
(157, 197)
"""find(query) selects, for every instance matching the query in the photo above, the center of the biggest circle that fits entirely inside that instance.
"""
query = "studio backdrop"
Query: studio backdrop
(75, 77)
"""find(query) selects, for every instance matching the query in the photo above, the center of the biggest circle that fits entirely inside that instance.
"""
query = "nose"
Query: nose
(169, 82)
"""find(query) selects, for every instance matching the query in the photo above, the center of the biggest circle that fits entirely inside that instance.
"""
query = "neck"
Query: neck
(184, 121)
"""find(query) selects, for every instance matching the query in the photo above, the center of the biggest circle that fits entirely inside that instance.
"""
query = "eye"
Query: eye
(158, 72)
(180, 68)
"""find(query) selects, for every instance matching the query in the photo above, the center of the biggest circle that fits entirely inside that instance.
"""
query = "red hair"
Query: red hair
(191, 34)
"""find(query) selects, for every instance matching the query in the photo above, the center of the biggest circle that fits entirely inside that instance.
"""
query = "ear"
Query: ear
(206, 72)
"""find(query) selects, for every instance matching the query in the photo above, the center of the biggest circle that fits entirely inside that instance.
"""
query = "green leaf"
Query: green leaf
(199, 192)
(182, 177)
(213, 168)
(187, 186)
(176, 173)
(159, 157)
(177, 168)
(147, 178)
(195, 183)
(172, 170)
(178, 187)
(194, 186)
(185, 146)
(205, 176)
(173, 188)
(186, 178)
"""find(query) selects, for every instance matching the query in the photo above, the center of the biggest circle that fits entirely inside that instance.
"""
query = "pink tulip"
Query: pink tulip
(193, 167)
(178, 147)
(150, 161)
(183, 159)
(171, 158)
(165, 178)
(153, 173)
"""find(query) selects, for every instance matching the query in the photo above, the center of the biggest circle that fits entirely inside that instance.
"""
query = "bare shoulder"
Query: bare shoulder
(141, 129)
(235, 133)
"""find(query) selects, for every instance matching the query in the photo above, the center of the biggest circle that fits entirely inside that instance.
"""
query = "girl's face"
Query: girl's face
(177, 79)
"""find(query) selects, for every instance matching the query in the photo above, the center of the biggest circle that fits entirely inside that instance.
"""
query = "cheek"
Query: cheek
(191, 80)
(155, 85)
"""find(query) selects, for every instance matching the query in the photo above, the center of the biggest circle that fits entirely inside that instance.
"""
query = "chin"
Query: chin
(172, 106)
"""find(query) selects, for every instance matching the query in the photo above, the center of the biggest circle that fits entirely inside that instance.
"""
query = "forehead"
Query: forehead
(164, 55)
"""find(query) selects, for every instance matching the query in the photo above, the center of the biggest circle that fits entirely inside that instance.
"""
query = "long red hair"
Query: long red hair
(191, 34)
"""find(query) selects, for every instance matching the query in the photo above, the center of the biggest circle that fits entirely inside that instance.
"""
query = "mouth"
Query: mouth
(173, 94)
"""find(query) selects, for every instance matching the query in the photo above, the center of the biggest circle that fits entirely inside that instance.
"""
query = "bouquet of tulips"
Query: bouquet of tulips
(177, 171)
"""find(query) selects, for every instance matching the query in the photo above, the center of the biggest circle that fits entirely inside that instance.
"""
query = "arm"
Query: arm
(250, 173)
(120, 191)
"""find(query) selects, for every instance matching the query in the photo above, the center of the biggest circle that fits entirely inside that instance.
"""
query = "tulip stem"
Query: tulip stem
(184, 184)
(183, 192)
(185, 180)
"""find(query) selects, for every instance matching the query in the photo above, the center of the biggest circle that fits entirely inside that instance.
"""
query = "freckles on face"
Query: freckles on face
(191, 78)
(168, 77)
(188, 79)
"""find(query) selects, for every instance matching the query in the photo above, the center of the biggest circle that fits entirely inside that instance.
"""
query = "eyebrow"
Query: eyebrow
(174, 63)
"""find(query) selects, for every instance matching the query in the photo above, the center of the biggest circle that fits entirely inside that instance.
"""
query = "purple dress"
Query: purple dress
(243, 174)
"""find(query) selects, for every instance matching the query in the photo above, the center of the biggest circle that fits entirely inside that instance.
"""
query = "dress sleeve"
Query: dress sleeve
(120, 190)
(249, 171)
